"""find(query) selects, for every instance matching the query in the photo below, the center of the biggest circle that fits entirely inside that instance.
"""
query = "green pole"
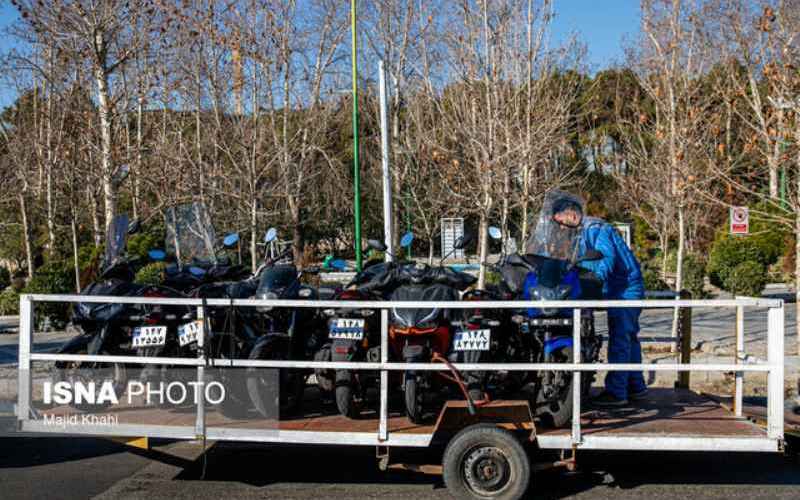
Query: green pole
(356, 170)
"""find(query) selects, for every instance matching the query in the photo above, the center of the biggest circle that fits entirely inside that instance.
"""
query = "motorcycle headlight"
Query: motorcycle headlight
(304, 293)
(367, 312)
(329, 312)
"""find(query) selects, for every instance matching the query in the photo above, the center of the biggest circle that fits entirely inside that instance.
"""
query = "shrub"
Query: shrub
(728, 251)
(694, 276)
(747, 278)
(9, 302)
(652, 280)
(53, 277)
(151, 274)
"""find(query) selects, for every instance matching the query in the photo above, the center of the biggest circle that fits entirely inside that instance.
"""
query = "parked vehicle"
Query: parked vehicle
(120, 329)
(353, 335)
(286, 334)
(545, 335)
(424, 335)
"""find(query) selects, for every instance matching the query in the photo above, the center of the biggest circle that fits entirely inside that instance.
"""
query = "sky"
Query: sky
(601, 24)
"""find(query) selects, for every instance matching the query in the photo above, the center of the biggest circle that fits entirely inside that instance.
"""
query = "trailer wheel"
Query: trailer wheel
(484, 461)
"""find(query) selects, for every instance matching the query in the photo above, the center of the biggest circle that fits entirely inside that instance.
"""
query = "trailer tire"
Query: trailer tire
(484, 461)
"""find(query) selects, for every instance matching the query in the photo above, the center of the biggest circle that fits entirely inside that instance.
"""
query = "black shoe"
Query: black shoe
(638, 396)
(608, 400)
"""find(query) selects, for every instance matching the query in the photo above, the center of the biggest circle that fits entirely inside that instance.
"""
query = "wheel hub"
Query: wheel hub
(486, 470)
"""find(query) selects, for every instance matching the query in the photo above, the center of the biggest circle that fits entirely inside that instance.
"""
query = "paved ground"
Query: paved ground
(83, 468)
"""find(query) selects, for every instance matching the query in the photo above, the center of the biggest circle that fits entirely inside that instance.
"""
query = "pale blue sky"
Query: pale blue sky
(601, 24)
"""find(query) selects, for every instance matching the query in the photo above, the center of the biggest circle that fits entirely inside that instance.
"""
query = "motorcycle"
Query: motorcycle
(117, 328)
(287, 334)
(354, 335)
(550, 271)
(426, 335)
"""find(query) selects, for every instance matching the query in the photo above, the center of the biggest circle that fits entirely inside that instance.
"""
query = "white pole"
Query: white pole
(383, 431)
(387, 178)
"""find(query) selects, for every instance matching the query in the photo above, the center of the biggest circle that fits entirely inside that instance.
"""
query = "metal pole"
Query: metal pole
(576, 377)
(356, 170)
(24, 368)
(775, 408)
(387, 178)
(739, 385)
(200, 421)
(383, 430)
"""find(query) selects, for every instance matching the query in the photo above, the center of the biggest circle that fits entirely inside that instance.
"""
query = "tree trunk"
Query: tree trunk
(679, 270)
(430, 250)
(96, 229)
(106, 160)
(483, 249)
(26, 235)
(75, 263)
(297, 229)
(253, 234)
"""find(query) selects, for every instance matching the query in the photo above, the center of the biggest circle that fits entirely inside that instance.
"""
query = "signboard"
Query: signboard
(740, 220)
(624, 230)
(452, 229)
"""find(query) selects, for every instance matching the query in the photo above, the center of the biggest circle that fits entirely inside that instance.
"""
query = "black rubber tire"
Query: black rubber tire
(344, 395)
(563, 414)
(291, 383)
(486, 440)
(120, 371)
(413, 406)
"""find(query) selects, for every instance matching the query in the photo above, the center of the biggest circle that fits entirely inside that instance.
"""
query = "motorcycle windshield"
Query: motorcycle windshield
(190, 234)
(116, 240)
(277, 278)
(410, 318)
(554, 239)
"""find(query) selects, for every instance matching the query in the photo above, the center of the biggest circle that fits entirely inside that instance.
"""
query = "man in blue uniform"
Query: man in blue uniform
(622, 279)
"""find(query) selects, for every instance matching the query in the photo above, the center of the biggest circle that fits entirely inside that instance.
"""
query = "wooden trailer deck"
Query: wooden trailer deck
(678, 413)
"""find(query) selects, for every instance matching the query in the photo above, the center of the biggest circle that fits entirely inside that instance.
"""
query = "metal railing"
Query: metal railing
(773, 367)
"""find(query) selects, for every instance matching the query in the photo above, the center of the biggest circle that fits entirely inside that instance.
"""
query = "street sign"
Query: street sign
(740, 220)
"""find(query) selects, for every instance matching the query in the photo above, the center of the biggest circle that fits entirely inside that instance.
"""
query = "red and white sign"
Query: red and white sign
(740, 220)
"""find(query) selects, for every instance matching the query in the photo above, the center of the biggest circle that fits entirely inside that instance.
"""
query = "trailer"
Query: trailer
(489, 451)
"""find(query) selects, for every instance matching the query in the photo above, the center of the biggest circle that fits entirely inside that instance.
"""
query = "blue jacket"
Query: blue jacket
(619, 269)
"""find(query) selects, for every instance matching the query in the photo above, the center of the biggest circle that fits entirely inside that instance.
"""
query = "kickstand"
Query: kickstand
(382, 454)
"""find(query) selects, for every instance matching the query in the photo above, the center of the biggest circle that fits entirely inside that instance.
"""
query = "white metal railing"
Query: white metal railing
(773, 366)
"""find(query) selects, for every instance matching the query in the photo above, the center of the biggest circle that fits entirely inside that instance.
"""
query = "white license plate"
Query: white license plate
(189, 332)
(347, 329)
(472, 340)
(149, 336)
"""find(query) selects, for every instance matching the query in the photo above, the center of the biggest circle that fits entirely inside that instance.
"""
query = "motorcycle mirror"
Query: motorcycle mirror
(495, 233)
(156, 254)
(338, 264)
(134, 227)
(591, 255)
(377, 245)
(198, 272)
(230, 240)
(272, 233)
(407, 239)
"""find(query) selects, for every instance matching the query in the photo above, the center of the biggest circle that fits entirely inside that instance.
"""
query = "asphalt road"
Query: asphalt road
(83, 468)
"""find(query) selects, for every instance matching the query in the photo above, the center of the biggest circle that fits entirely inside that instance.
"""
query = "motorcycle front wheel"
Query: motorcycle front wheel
(344, 395)
(556, 410)
(412, 400)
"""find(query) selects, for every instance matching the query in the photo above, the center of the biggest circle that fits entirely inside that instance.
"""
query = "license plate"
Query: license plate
(551, 321)
(348, 329)
(189, 332)
(472, 340)
(148, 336)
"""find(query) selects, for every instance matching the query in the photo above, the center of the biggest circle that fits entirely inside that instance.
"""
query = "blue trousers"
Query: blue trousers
(624, 347)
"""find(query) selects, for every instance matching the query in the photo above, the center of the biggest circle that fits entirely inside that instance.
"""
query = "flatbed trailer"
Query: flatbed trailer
(490, 451)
